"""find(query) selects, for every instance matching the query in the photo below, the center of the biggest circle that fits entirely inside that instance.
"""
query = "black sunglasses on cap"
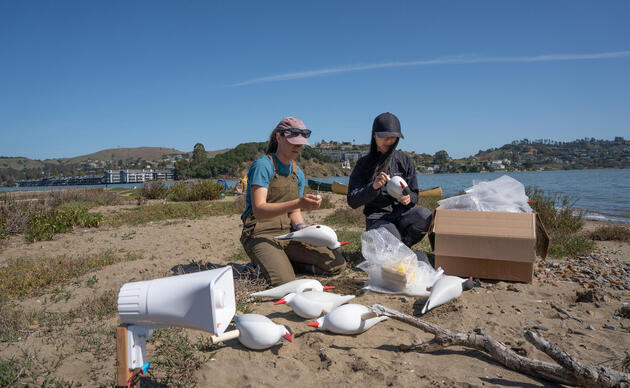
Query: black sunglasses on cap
(297, 132)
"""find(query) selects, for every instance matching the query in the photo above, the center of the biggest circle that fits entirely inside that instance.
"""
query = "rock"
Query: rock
(609, 327)
(590, 327)
(540, 327)
(513, 288)
(624, 311)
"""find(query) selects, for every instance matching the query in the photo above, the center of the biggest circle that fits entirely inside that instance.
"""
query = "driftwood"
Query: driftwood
(568, 372)
(565, 312)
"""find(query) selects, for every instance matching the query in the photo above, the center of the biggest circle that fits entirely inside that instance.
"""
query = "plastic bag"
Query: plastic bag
(393, 267)
(504, 194)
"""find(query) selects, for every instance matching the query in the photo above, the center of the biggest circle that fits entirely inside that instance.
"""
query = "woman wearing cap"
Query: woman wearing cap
(275, 186)
(368, 180)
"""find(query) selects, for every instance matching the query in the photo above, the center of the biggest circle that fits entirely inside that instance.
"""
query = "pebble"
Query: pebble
(540, 327)
(609, 327)
(590, 327)
(592, 271)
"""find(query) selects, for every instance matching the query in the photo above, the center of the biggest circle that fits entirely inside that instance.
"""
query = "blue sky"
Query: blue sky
(80, 76)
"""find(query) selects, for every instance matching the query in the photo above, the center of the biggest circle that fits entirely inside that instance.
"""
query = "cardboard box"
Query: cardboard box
(488, 245)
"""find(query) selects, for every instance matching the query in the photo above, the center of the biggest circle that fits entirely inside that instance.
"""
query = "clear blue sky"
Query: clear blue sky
(80, 76)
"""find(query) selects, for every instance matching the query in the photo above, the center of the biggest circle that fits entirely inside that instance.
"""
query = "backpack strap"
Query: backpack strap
(273, 160)
(275, 165)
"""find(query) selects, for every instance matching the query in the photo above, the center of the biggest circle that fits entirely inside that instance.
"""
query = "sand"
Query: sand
(315, 358)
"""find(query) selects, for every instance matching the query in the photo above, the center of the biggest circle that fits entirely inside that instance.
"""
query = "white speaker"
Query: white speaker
(202, 300)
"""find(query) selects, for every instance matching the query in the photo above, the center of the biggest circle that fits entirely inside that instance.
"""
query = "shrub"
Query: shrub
(191, 191)
(610, 233)
(562, 220)
(154, 190)
(44, 224)
(557, 211)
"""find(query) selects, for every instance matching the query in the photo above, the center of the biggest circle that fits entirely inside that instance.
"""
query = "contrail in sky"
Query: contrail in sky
(437, 61)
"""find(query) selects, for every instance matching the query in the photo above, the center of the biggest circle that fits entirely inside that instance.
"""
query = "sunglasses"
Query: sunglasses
(293, 132)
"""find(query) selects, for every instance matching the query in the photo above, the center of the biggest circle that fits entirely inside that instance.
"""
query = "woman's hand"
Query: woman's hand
(380, 180)
(310, 202)
(405, 199)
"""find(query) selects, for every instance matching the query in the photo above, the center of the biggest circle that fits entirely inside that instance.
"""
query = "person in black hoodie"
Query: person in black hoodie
(401, 217)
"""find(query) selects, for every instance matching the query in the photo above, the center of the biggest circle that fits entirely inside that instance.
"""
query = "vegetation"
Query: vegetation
(169, 211)
(43, 225)
(176, 358)
(27, 277)
(154, 190)
(611, 233)
(40, 216)
(534, 155)
(562, 220)
(205, 190)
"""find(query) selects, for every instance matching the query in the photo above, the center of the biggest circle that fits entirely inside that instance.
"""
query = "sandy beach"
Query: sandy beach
(81, 352)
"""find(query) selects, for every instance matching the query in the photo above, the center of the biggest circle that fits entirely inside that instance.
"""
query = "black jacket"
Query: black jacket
(378, 203)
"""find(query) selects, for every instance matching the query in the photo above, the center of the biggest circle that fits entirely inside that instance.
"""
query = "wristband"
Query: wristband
(298, 225)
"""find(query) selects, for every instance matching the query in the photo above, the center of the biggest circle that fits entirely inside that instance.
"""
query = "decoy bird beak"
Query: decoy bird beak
(344, 243)
(313, 324)
(288, 337)
(402, 185)
(281, 301)
(328, 288)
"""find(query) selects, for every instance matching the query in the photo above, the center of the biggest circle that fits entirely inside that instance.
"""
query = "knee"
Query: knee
(422, 217)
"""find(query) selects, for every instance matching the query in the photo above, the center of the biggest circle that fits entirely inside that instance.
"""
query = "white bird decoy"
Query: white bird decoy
(259, 332)
(397, 187)
(446, 289)
(317, 235)
(312, 304)
(297, 286)
(348, 319)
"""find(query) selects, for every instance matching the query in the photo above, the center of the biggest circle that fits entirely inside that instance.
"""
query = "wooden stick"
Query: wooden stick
(587, 375)
(122, 357)
(565, 312)
(228, 335)
(569, 372)
(478, 340)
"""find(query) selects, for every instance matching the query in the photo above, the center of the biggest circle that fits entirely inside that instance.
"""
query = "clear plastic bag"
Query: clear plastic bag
(504, 194)
(393, 267)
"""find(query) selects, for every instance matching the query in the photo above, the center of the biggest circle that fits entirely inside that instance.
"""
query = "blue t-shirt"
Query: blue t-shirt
(261, 173)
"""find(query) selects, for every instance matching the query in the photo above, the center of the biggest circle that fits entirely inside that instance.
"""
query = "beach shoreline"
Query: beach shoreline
(315, 358)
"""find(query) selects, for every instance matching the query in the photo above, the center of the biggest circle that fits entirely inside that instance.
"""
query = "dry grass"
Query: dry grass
(346, 216)
(32, 277)
(611, 233)
(168, 211)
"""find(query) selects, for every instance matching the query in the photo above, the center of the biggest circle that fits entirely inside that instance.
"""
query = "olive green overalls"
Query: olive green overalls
(274, 257)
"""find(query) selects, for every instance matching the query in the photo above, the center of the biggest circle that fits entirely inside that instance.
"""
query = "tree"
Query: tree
(199, 156)
(441, 157)
(182, 169)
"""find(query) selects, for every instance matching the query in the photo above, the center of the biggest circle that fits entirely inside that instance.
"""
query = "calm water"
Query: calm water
(604, 193)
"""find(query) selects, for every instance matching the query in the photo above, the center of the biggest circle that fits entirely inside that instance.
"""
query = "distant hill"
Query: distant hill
(145, 153)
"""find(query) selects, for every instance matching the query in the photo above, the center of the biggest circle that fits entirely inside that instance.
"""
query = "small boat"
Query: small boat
(319, 186)
(339, 188)
(432, 192)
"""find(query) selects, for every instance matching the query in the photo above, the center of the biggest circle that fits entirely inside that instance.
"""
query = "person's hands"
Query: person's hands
(405, 199)
(310, 202)
(380, 180)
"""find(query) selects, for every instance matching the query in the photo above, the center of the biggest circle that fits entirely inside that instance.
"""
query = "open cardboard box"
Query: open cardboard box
(488, 245)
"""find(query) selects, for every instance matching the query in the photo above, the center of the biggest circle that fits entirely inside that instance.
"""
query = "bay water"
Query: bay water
(604, 194)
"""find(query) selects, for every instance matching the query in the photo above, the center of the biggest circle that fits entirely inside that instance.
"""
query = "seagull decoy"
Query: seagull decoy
(312, 304)
(297, 286)
(446, 289)
(317, 235)
(348, 319)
